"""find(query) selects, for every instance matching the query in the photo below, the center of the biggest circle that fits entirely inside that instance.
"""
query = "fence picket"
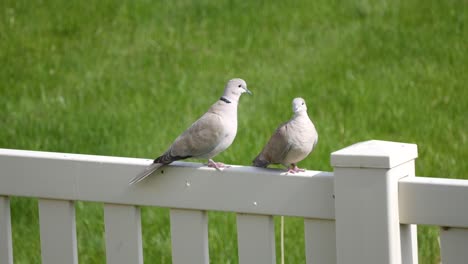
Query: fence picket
(409, 244)
(256, 239)
(123, 234)
(454, 245)
(6, 249)
(58, 231)
(189, 235)
(320, 241)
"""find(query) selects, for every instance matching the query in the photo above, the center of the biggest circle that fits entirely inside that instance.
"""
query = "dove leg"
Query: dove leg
(217, 165)
(294, 168)
(291, 169)
(297, 169)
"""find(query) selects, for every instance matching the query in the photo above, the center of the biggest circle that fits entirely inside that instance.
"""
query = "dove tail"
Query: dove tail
(147, 172)
(260, 161)
(164, 159)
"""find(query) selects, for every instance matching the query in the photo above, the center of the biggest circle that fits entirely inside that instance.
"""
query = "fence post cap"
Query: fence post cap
(374, 154)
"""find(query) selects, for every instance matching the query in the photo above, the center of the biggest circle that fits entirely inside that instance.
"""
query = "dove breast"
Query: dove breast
(228, 120)
(301, 139)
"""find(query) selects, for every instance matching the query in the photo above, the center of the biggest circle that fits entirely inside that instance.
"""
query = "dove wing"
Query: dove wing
(278, 146)
(200, 138)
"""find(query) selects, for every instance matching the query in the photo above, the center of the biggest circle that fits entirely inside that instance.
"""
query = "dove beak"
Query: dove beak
(248, 91)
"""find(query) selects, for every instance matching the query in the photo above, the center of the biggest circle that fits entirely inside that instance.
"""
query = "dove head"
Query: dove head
(299, 105)
(235, 87)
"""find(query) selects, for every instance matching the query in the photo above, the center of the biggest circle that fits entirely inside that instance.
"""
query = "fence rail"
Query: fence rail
(363, 212)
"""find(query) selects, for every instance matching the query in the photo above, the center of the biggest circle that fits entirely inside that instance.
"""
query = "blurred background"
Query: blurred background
(124, 78)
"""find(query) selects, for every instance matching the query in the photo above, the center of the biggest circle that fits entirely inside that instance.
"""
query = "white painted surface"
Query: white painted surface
(183, 185)
(58, 232)
(374, 204)
(256, 239)
(366, 204)
(434, 201)
(408, 232)
(123, 234)
(409, 244)
(367, 229)
(454, 245)
(6, 247)
(320, 241)
(374, 154)
(189, 235)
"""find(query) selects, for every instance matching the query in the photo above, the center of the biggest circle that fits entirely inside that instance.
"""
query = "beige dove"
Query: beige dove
(292, 141)
(211, 134)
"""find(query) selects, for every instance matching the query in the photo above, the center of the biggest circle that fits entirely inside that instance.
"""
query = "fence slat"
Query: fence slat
(123, 234)
(256, 239)
(189, 235)
(6, 249)
(58, 231)
(454, 245)
(320, 241)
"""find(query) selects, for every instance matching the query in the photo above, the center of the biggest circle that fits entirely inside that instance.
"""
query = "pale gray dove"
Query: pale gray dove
(211, 134)
(291, 142)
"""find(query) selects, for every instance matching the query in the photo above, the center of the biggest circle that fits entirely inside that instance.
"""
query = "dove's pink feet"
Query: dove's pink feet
(217, 165)
(294, 169)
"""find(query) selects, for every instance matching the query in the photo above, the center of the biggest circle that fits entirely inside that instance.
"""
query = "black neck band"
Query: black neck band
(224, 99)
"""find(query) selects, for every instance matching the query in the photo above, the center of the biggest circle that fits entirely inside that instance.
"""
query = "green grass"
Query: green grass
(124, 78)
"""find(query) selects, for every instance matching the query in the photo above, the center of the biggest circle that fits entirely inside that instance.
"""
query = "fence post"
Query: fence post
(366, 203)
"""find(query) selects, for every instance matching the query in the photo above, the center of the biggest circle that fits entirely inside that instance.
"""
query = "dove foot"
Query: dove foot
(217, 165)
(295, 169)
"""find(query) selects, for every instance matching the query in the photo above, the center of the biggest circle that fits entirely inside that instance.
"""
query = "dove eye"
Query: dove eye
(302, 103)
(240, 86)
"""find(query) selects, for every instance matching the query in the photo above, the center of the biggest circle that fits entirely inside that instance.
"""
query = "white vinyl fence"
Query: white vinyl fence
(365, 212)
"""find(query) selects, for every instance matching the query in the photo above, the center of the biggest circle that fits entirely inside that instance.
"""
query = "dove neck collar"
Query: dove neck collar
(224, 99)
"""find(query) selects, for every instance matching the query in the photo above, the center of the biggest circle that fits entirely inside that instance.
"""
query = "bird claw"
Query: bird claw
(217, 165)
(294, 169)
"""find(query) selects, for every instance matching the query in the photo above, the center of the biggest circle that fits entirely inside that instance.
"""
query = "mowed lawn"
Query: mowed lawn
(124, 78)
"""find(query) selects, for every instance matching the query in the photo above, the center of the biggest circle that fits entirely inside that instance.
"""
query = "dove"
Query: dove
(211, 134)
(292, 141)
